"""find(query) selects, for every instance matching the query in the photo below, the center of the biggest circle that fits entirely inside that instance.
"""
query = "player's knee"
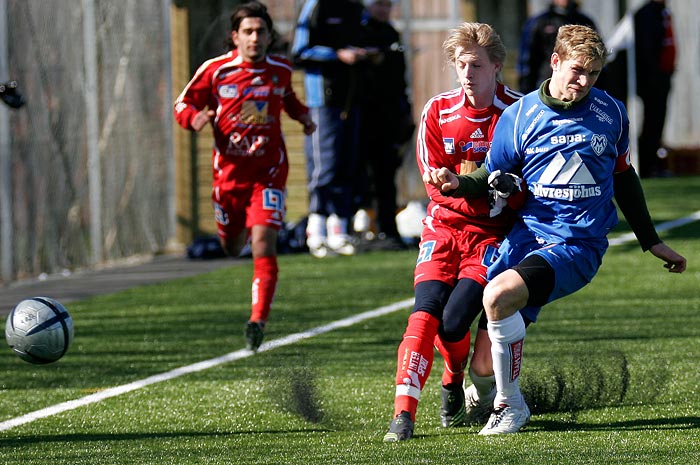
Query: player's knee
(502, 299)
(232, 247)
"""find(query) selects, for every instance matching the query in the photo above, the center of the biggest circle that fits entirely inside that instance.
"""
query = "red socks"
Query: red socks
(455, 355)
(264, 284)
(415, 359)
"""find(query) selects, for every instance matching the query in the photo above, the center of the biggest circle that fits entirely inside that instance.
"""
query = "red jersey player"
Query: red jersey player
(242, 94)
(459, 236)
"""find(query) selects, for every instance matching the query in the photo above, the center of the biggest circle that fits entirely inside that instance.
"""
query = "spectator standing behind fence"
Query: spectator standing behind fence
(655, 52)
(242, 93)
(537, 41)
(327, 46)
(386, 120)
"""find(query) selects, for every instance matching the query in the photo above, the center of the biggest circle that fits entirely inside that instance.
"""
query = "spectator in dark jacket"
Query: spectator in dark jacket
(386, 122)
(537, 41)
(327, 45)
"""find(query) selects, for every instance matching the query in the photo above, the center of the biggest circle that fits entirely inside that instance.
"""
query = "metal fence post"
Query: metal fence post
(92, 125)
(6, 231)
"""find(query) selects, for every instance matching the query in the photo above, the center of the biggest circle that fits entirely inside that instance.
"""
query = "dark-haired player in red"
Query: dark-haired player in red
(242, 94)
(458, 239)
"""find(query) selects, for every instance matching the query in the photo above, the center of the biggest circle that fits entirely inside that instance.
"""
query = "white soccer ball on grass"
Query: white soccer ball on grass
(39, 330)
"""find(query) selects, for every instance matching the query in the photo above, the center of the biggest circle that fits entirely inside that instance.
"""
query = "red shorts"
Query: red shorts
(240, 206)
(447, 254)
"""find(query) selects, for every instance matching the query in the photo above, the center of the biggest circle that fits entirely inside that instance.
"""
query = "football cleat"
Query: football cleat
(478, 410)
(400, 428)
(452, 411)
(506, 419)
(254, 335)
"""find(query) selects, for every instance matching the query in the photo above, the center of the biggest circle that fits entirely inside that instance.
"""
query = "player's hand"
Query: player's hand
(504, 184)
(309, 125)
(441, 178)
(201, 119)
(675, 262)
(351, 55)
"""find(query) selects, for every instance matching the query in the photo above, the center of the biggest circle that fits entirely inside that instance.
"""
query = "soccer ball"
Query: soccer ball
(39, 330)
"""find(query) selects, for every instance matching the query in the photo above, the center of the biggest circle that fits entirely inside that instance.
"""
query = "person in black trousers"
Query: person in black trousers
(386, 121)
(655, 52)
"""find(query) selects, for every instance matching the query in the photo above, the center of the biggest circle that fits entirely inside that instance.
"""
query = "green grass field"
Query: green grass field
(611, 372)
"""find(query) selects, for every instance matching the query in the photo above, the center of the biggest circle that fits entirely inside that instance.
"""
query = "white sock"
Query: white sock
(337, 226)
(507, 337)
(483, 384)
(315, 230)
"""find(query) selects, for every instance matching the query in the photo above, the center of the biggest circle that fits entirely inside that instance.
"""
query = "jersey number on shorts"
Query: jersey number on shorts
(426, 252)
(490, 256)
(273, 199)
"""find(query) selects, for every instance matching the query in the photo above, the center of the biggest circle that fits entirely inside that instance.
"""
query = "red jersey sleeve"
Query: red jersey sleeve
(292, 105)
(431, 153)
(195, 97)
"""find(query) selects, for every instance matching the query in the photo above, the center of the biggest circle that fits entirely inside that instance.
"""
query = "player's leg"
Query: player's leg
(265, 215)
(230, 222)
(415, 356)
(514, 297)
(265, 270)
(453, 343)
(529, 283)
(480, 394)
(434, 277)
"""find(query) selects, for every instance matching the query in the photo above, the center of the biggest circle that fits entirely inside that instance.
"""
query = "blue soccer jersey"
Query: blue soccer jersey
(567, 158)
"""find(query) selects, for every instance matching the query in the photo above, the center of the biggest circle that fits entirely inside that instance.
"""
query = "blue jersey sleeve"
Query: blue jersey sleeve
(504, 154)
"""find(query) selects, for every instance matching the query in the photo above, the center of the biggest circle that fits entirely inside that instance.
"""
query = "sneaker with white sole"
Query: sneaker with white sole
(506, 419)
(478, 410)
(341, 244)
(318, 247)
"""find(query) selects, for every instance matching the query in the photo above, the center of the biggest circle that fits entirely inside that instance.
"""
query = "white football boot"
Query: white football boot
(478, 410)
(506, 419)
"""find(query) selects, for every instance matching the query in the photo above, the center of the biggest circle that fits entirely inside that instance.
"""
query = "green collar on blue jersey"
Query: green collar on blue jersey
(554, 103)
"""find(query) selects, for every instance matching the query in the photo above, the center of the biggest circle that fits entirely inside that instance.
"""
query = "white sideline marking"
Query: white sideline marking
(200, 366)
(243, 353)
(659, 228)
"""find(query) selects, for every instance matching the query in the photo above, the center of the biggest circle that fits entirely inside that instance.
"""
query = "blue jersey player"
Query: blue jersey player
(569, 143)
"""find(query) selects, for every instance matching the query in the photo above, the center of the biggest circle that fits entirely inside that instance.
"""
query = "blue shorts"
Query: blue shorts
(575, 263)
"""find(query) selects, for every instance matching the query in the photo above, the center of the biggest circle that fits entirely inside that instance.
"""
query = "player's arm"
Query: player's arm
(190, 106)
(433, 158)
(297, 110)
(630, 198)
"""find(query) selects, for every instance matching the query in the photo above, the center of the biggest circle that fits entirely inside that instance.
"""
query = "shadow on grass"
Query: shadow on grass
(583, 381)
(667, 424)
(104, 437)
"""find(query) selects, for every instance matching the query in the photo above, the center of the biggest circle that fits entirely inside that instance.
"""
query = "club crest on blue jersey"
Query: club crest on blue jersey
(599, 142)
(449, 143)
